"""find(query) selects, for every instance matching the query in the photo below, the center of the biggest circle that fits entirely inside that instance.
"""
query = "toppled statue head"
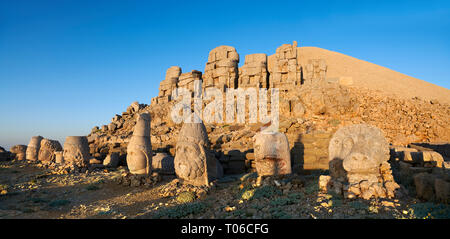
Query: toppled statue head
(194, 163)
(358, 157)
(272, 155)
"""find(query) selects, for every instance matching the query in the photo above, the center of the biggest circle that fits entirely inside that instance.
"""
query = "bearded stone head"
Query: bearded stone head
(361, 148)
(192, 155)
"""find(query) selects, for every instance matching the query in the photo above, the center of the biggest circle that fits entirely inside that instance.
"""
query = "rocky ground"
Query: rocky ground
(30, 191)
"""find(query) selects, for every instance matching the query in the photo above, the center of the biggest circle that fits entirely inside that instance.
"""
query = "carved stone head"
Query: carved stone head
(361, 148)
(47, 150)
(139, 150)
(192, 156)
(272, 155)
(76, 150)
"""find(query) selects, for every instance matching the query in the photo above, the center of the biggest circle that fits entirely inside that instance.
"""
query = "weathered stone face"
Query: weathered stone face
(358, 156)
(272, 155)
(76, 150)
(47, 150)
(32, 152)
(193, 159)
(221, 70)
(19, 151)
(139, 150)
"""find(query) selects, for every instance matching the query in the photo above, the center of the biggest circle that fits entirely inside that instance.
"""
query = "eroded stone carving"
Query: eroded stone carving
(47, 150)
(32, 152)
(315, 71)
(254, 72)
(19, 151)
(272, 155)
(76, 151)
(186, 80)
(358, 157)
(167, 86)
(284, 67)
(139, 150)
(194, 162)
(221, 70)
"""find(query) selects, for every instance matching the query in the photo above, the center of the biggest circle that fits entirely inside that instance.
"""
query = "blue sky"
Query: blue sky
(66, 66)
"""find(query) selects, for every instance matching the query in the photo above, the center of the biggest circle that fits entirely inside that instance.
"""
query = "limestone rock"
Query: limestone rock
(254, 72)
(163, 163)
(424, 183)
(112, 160)
(76, 151)
(221, 70)
(284, 67)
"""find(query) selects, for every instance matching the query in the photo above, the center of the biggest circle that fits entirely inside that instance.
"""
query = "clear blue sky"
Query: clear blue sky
(66, 66)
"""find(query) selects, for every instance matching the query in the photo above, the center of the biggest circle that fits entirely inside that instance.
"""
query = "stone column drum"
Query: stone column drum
(76, 150)
(33, 148)
(272, 156)
(139, 150)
